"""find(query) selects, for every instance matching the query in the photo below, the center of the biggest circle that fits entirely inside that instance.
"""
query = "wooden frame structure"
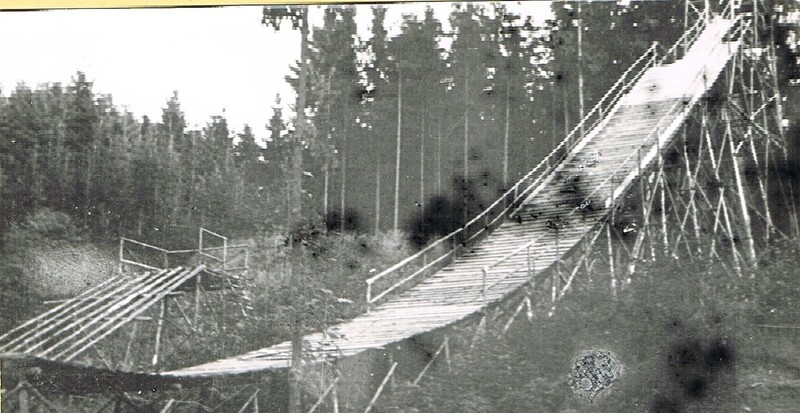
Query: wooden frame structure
(689, 182)
(150, 297)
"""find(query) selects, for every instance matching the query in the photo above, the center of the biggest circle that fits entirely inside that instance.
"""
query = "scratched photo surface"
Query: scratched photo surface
(409, 207)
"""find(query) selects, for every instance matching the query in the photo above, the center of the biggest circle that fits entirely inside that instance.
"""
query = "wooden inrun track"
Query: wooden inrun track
(552, 209)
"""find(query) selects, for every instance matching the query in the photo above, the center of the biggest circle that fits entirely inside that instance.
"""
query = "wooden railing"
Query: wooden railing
(445, 249)
(687, 39)
(150, 257)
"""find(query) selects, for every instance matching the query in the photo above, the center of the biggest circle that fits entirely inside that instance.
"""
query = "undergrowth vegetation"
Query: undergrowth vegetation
(690, 336)
(316, 284)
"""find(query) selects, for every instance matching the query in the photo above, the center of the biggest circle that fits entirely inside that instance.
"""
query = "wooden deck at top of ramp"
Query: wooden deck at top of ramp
(628, 139)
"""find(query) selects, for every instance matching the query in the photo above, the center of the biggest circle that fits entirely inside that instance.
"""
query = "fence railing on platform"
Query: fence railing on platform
(442, 251)
(222, 257)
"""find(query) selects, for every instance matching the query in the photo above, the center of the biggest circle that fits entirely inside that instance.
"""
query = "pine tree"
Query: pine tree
(298, 17)
(80, 139)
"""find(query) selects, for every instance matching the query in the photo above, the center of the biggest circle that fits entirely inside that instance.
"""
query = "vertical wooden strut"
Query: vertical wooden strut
(197, 287)
(397, 156)
(380, 388)
(159, 330)
(24, 400)
(736, 265)
(126, 359)
(611, 260)
(335, 397)
(430, 363)
(740, 190)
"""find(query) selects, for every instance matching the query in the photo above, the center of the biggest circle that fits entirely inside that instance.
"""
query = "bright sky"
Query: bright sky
(216, 58)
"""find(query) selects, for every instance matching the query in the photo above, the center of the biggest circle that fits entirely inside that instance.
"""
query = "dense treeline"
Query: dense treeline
(469, 110)
(67, 149)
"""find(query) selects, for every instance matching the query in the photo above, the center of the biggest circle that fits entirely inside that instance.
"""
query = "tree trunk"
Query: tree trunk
(397, 159)
(465, 215)
(344, 182)
(580, 67)
(378, 196)
(325, 191)
(422, 167)
(505, 138)
(439, 157)
(295, 188)
(466, 124)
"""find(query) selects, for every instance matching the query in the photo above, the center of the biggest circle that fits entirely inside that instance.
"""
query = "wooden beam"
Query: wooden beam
(380, 388)
(159, 328)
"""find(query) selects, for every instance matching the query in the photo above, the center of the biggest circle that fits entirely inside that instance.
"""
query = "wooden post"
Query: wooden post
(391, 362)
(639, 161)
(513, 317)
(740, 190)
(249, 400)
(324, 394)
(369, 295)
(168, 406)
(530, 265)
(335, 399)
(557, 273)
(447, 352)
(611, 261)
(485, 272)
(380, 388)
(126, 358)
(478, 330)
(24, 399)
(685, 24)
(159, 330)
(430, 362)
(763, 183)
(664, 215)
(224, 253)
(197, 287)
(734, 251)
(43, 402)
(121, 254)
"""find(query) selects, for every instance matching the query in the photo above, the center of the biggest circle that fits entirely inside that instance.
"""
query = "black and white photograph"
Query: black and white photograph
(509, 206)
